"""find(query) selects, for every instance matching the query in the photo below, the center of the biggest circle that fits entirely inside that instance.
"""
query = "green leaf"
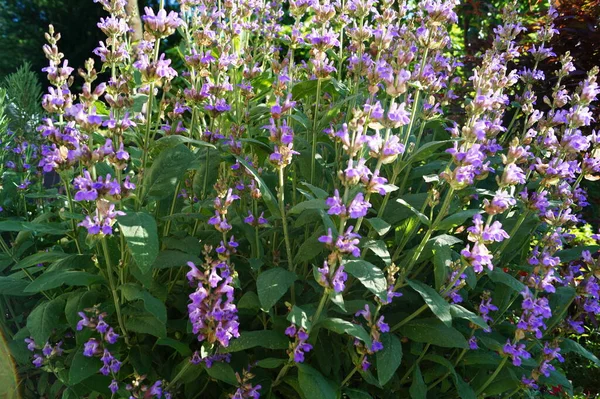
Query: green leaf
(310, 248)
(570, 346)
(436, 303)
(426, 150)
(271, 363)
(57, 278)
(76, 302)
(424, 219)
(145, 323)
(389, 358)
(167, 170)
(305, 205)
(464, 389)
(498, 276)
(9, 385)
(559, 303)
(156, 307)
(571, 254)
(250, 339)
(44, 318)
(272, 285)
(13, 286)
(432, 331)
(179, 346)
(356, 394)
(457, 219)
(41, 228)
(379, 225)
(379, 248)
(418, 389)
(369, 275)
(442, 260)
(462, 313)
(174, 140)
(171, 258)
(313, 384)
(267, 195)
(222, 372)
(82, 367)
(342, 326)
(139, 229)
(38, 258)
(299, 317)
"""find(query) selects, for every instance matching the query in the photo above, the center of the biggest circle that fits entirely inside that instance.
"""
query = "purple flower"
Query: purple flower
(90, 348)
(336, 205)
(473, 343)
(161, 24)
(517, 352)
(114, 386)
(111, 336)
(84, 322)
(47, 349)
(299, 347)
(212, 312)
(358, 207)
(37, 360)
(30, 344)
(156, 389)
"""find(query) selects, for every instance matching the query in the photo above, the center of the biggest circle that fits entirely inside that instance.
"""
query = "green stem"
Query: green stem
(514, 230)
(179, 375)
(288, 247)
(171, 210)
(354, 370)
(314, 133)
(71, 209)
(409, 318)
(429, 232)
(146, 144)
(111, 282)
(320, 308)
(206, 166)
(492, 377)
(281, 374)
(405, 377)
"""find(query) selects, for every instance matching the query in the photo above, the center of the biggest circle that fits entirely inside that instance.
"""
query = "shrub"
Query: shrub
(306, 210)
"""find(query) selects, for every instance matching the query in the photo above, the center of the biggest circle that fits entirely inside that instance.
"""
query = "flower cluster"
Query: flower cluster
(376, 328)
(299, 347)
(48, 351)
(95, 347)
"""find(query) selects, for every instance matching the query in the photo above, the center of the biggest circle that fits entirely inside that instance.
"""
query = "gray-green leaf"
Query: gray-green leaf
(436, 303)
(272, 285)
(139, 229)
(369, 275)
(389, 358)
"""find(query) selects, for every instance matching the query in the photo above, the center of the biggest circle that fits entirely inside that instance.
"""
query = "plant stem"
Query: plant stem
(314, 133)
(179, 375)
(317, 314)
(492, 377)
(146, 144)
(288, 247)
(429, 232)
(409, 318)
(281, 374)
(113, 289)
(415, 364)
(71, 208)
(518, 224)
(354, 370)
